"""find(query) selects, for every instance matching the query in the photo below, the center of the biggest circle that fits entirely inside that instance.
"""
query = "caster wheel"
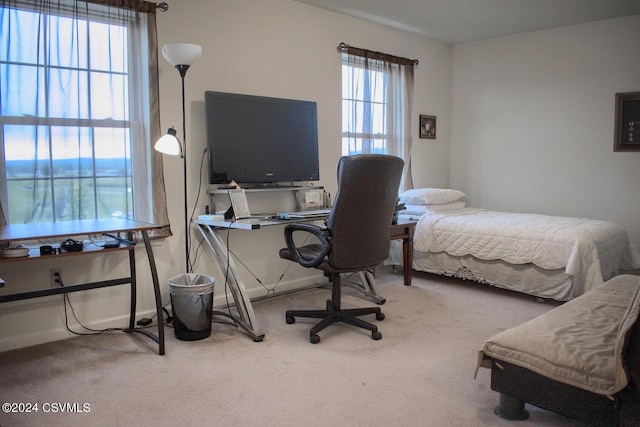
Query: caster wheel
(314, 339)
(376, 335)
(381, 302)
(290, 320)
(379, 316)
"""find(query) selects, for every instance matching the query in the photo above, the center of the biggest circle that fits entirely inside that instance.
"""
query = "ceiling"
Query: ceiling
(460, 21)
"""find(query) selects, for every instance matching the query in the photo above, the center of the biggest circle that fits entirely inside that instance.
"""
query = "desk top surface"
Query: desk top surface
(13, 232)
(256, 223)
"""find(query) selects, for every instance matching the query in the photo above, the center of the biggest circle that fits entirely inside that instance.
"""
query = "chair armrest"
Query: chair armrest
(319, 232)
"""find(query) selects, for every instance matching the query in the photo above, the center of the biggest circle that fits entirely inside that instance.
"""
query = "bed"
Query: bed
(580, 359)
(545, 256)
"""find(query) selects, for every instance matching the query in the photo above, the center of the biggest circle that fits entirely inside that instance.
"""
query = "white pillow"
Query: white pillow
(423, 209)
(414, 210)
(431, 196)
(453, 206)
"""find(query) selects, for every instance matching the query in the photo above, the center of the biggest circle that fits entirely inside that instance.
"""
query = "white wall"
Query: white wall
(533, 122)
(275, 48)
(286, 49)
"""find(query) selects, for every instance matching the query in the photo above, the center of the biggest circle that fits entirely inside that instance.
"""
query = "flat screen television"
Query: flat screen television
(260, 140)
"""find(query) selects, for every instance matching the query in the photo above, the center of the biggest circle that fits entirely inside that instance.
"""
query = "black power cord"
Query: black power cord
(143, 323)
(146, 321)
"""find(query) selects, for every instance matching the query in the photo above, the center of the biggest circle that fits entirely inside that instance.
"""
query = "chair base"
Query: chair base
(334, 314)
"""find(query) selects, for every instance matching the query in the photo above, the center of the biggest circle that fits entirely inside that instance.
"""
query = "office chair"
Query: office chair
(355, 238)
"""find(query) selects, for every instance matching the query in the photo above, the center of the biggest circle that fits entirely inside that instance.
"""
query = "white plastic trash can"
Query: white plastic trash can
(192, 305)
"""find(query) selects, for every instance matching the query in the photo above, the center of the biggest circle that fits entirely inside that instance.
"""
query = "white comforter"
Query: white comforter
(591, 251)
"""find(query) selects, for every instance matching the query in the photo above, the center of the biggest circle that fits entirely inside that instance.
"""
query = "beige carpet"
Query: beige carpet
(420, 374)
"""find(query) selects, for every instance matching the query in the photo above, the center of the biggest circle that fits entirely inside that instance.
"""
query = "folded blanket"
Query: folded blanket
(579, 343)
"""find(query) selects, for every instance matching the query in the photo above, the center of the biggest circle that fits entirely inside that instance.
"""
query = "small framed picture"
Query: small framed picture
(627, 126)
(239, 204)
(427, 126)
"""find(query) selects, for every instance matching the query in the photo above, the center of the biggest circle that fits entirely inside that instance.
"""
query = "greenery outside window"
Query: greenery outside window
(75, 111)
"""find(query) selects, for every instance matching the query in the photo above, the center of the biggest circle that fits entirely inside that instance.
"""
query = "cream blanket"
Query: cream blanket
(579, 343)
(591, 251)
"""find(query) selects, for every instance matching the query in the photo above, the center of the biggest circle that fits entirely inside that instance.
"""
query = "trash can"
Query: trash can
(192, 305)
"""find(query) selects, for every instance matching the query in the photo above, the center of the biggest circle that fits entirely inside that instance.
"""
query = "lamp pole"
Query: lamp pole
(182, 69)
(181, 56)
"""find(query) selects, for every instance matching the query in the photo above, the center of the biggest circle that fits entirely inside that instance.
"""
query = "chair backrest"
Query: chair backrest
(360, 220)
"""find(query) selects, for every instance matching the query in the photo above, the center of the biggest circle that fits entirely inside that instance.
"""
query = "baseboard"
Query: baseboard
(219, 300)
(257, 293)
(61, 333)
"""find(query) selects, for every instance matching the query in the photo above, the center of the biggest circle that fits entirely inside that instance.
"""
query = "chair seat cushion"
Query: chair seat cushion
(579, 343)
(308, 251)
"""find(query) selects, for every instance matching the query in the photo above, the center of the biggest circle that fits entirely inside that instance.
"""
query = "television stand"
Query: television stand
(268, 185)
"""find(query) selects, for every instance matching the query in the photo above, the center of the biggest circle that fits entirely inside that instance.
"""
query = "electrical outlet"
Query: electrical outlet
(55, 275)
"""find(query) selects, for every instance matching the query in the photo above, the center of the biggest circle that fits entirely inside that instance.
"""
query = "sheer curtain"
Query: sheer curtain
(377, 105)
(79, 111)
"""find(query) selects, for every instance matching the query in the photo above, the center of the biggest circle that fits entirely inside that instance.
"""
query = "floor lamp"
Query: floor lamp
(181, 56)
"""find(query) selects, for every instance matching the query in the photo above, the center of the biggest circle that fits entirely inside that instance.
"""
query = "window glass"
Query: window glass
(65, 125)
(364, 110)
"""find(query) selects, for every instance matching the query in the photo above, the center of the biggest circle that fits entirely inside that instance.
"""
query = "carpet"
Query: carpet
(420, 374)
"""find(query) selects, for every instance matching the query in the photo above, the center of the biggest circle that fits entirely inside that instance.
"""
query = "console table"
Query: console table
(64, 229)
(245, 315)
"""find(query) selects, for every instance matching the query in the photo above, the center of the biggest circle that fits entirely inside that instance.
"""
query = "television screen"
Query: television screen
(261, 140)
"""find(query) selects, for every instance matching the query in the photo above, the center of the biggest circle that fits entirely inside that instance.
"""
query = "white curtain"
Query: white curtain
(377, 106)
(79, 111)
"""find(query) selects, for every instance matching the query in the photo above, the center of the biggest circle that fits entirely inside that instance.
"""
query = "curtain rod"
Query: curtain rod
(139, 5)
(345, 48)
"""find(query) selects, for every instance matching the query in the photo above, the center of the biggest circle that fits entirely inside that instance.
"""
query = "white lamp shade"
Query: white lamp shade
(181, 53)
(168, 144)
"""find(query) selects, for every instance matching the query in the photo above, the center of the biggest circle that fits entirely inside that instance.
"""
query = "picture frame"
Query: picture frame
(239, 204)
(427, 126)
(627, 125)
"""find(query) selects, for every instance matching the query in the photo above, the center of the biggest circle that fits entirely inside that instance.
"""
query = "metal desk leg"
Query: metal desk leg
(156, 291)
(134, 284)
(367, 286)
(245, 317)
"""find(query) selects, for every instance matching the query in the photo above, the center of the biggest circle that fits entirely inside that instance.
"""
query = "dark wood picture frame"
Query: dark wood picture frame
(627, 126)
(427, 127)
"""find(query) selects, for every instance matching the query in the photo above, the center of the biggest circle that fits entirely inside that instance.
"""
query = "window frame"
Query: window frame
(368, 140)
(136, 124)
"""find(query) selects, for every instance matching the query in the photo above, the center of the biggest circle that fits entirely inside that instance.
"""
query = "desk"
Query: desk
(64, 229)
(245, 315)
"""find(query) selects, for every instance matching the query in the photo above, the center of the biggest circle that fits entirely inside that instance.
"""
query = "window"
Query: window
(364, 109)
(74, 113)
(377, 94)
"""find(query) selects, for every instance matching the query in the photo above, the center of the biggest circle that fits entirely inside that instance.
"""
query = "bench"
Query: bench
(581, 359)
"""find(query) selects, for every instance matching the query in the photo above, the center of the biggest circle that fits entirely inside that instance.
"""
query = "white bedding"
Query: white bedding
(591, 251)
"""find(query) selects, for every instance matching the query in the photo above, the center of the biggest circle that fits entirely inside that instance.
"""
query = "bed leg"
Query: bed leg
(511, 409)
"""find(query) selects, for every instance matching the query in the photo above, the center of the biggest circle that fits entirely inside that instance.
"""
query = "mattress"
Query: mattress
(579, 343)
(582, 253)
